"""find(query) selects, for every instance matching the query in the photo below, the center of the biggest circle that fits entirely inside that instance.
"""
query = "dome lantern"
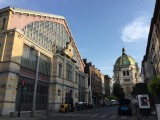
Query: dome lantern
(123, 51)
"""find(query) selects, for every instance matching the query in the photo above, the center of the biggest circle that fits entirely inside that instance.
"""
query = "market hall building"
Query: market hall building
(38, 48)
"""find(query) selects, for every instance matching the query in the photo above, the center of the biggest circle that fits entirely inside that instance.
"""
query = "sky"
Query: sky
(100, 28)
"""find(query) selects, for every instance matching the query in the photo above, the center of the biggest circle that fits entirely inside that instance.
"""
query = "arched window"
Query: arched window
(124, 73)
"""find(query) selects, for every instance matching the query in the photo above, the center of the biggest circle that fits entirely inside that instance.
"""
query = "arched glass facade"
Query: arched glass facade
(50, 35)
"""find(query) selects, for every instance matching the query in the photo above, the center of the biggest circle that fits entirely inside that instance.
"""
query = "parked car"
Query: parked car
(82, 105)
(112, 103)
(124, 107)
(64, 108)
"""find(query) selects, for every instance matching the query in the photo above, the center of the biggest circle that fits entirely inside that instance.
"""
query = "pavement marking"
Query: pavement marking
(94, 115)
(75, 115)
(113, 116)
(79, 114)
(103, 116)
(86, 115)
(123, 117)
(67, 115)
(97, 115)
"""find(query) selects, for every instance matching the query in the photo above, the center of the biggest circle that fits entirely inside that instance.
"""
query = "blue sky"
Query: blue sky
(100, 28)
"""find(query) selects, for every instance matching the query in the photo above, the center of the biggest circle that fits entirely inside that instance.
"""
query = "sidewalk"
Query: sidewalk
(150, 117)
(141, 117)
(20, 118)
(26, 116)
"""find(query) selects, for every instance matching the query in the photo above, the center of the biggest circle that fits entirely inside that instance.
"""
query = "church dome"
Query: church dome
(125, 60)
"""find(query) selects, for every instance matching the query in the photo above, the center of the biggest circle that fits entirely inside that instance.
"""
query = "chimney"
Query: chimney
(85, 60)
(90, 63)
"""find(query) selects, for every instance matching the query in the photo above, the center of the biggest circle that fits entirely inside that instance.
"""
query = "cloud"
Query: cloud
(136, 31)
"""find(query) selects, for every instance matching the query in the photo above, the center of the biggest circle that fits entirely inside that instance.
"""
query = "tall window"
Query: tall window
(29, 58)
(127, 73)
(69, 72)
(124, 73)
(76, 77)
(4, 21)
(42, 91)
(27, 95)
(44, 64)
(60, 70)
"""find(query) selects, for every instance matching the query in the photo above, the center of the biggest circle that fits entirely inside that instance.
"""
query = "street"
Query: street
(102, 113)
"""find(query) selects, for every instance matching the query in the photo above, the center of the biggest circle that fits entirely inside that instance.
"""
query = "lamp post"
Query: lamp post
(20, 98)
(20, 89)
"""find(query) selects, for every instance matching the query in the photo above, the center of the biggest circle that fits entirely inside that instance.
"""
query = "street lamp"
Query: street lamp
(21, 86)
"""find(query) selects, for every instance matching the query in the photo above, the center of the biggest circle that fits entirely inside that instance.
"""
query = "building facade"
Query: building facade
(38, 49)
(112, 81)
(107, 81)
(126, 73)
(151, 60)
(98, 84)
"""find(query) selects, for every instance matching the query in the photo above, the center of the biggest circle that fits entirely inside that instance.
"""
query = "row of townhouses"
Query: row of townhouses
(151, 60)
(37, 51)
(98, 84)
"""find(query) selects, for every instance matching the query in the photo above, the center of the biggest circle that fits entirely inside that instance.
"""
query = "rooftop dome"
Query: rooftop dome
(125, 60)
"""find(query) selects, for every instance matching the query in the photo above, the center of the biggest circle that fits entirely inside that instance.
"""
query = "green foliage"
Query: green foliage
(111, 97)
(154, 86)
(100, 95)
(118, 91)
(134, 91)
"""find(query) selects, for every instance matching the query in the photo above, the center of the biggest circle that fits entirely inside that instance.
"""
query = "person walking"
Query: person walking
(136, 107)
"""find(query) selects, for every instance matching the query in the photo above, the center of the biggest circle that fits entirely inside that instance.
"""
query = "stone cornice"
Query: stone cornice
(30, 12)
(12, 30)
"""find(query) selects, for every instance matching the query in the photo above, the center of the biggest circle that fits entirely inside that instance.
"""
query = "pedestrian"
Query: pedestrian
(136, 107)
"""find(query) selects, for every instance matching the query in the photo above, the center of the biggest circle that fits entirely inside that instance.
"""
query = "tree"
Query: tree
(111, 97)
(154, 87)
(118, 91)
(134, 91)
